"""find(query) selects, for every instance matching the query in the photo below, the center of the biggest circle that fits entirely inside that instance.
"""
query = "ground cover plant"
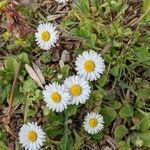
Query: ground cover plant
(49, 100)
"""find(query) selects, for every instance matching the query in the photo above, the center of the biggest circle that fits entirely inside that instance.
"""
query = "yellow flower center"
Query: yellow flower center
(93, 123)
(89, 65)
(45, 36)
(56, 97)
(32, 136)
(75, 90)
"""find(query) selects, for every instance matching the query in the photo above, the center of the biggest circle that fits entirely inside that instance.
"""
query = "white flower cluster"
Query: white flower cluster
(75, 89)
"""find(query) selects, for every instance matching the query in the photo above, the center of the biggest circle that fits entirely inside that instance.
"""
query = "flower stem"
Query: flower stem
(26, 109)
(65, 132)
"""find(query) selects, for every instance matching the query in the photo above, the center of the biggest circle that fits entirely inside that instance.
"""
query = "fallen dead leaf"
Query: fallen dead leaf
(39, 73)
(33, 75)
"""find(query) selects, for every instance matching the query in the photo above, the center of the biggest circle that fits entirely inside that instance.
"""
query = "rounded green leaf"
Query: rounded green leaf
(144, 124)
(109, 115)
(10, 64)
(120, 132)
(126, 111)
(145, 136)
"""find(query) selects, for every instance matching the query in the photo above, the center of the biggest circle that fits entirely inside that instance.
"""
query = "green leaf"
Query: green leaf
(109, 115)
(29, 85)
(3, 146)
(4, 92)
(19, 97)
(10, 64)
(65, 71)
(144, 124)
(46, 111)
(55, 119)
(97, 3)
(97, 136)
(26, 11)
(137, 140)
(108, 58)
(102, 81)
(115, 71)
(140, 103)
(110, 95)
(69, 143)
(126, 111)
(123, 145)
(3, 4)
(31, 113)
(146, 7)
(23, 57)
(83, 6)
(96, 96)
(53, 131)
(127, 31)
(115, 104)
(79, 140)
(143, 55)
(54, 127)
(36, 95)
(46, 57)
(120, 132)
(2, 135)
(71, 110)
(144, 93)
(144, 113)
(145, 136)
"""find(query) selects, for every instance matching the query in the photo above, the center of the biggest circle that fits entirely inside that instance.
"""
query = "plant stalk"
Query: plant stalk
(65, 132)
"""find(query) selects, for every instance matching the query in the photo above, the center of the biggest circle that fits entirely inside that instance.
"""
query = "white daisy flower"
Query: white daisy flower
(61, 1)
(78, 88)
(93, 123)
(31, 136)
(90, 65)
(46, 36)
(56, 97)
